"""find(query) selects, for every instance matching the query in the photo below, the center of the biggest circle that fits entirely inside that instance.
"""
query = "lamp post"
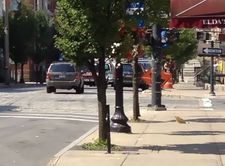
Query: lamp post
(6, 42)
(119, 119)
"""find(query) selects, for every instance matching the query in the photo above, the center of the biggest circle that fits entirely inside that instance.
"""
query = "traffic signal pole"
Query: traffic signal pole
(212, 77)
(156, 68)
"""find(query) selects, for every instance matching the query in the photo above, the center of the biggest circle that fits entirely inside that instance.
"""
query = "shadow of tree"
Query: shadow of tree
(8, 108)
(217, 148)
(21, 89)
(207, 120)
(191, 133)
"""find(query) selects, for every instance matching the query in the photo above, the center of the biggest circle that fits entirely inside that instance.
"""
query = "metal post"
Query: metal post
(108, 129)
(156, 62)
(119, 119)
(6, 40)
(212, 93)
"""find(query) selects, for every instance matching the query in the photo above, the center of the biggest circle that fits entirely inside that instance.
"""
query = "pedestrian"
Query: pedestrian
(166, 66)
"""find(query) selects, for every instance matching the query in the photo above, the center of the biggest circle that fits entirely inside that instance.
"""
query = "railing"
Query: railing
(202, 74)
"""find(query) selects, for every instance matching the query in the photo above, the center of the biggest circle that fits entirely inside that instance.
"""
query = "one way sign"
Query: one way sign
(212, 51)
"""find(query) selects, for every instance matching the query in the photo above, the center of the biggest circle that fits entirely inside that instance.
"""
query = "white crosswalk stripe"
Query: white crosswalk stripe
(206, 104)
(49, 116)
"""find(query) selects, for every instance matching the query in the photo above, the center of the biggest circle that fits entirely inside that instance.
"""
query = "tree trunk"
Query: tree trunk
(100, 81)
(36, 73)
(22, 74)
(136, 111)
(101, 90)
(16, 72)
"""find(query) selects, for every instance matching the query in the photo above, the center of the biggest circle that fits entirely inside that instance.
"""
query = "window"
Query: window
(62, 68)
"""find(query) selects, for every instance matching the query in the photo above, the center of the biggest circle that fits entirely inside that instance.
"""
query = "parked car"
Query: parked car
(128, 76)
(87, 76)
(89, 79)
(146, 63)
(64, 75)
(109, 73)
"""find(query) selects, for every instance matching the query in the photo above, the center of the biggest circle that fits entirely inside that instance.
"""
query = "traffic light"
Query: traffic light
(203, 36)
(168, 37)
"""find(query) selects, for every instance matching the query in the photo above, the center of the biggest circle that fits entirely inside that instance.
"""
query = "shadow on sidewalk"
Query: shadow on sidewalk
(207, 120)
(197, 133)
(217, 148)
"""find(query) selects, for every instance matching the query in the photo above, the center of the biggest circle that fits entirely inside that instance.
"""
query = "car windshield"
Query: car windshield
(146, 66)
(62, 68)
(127, 67)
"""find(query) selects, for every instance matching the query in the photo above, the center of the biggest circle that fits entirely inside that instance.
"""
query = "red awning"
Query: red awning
(197, 13)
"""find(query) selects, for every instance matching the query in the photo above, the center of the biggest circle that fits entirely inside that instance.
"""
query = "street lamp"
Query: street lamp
(6, 41)
(119, 119)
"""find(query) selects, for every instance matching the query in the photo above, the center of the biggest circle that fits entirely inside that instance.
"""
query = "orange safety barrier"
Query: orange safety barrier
(165, 76)
(167, 80)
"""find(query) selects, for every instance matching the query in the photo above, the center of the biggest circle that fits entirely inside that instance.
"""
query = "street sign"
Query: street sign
(134, 7)
(212, 51)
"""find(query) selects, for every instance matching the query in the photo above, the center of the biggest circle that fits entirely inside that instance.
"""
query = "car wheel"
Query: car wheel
(49, 89)
(80, 90)
(53, 89)
(144, 87)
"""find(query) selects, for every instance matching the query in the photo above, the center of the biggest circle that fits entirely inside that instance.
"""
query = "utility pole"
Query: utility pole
(6, 42)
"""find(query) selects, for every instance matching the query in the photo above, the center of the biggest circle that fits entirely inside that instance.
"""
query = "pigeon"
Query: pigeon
(180, 120)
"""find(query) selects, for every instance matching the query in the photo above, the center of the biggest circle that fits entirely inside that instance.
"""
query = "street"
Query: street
(35, 125)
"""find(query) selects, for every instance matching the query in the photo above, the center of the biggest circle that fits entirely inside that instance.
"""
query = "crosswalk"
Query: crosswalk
(206, 104)
(84, 117)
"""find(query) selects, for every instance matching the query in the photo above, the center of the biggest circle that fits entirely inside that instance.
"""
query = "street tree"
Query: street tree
(87, 30)
(154, 12)
(1, 33)
(184, 49)
(21, 28)
(41, 43)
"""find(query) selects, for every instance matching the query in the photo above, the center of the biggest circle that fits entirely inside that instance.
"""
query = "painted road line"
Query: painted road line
(86, 116)
(206, 104)
(83, 119)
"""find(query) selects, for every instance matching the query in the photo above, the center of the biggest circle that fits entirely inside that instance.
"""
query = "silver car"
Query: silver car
(64, 75)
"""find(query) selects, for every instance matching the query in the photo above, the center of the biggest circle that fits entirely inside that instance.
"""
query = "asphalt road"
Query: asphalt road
(34, 126)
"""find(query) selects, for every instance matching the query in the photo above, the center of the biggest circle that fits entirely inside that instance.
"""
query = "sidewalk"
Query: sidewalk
(159, 140)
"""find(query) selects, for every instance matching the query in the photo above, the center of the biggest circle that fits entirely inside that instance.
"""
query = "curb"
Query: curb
(58, 155)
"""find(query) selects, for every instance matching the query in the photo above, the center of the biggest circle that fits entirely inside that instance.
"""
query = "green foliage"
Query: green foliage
(74, 37)
(99, 145)
(88, 28)
(42, 37)
(157, 12)
(21, 27)
(185, 48)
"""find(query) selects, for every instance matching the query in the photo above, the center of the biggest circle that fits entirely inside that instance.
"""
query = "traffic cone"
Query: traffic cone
(168, 84)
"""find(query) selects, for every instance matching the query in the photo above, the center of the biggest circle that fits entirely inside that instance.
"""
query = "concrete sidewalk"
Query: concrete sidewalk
(159, 140)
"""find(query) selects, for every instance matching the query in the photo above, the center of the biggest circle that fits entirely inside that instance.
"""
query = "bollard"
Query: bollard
(108, 129)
